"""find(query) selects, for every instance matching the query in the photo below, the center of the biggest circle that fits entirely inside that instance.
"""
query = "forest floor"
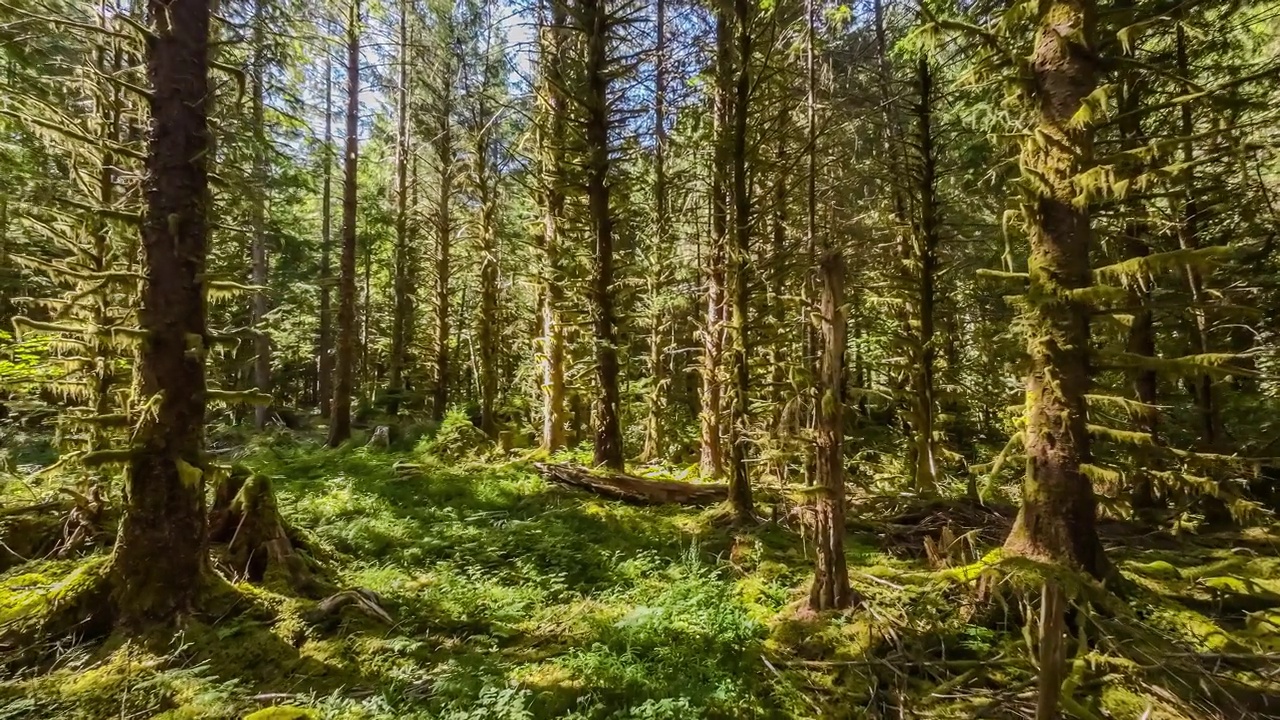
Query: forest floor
(512, 598)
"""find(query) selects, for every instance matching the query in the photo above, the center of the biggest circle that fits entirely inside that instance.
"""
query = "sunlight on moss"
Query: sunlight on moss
(512, 598)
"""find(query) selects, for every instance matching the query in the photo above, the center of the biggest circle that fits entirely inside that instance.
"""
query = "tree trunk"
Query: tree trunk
(1142, 339)
(714, 332)
(926, 262)
(258, 220)
(553, 350)
(161, 557)
(103, 375)
(778, 265)
(6, 279)
(830, 590)
(809, 342)
(364, 311)
(608, 432)
(483, 177)
(324, 364)
(402, 317)
(657, 400)
(1058, 518)
(1189, 239)
(894, 137)
(740, 263)
(340, 421)
(632, 489)
(445, 158)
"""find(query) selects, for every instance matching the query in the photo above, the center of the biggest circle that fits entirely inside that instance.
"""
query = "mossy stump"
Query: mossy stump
(260, 546)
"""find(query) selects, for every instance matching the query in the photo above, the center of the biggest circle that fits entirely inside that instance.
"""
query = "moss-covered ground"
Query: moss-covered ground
(512, 599)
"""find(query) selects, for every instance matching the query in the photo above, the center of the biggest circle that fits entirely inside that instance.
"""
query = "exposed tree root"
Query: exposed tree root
(362, 600)
(86, 524)
(632, 489)
(260, 545)
(55, 528)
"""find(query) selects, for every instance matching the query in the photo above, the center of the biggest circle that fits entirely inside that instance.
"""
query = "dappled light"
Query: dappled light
(639, 359)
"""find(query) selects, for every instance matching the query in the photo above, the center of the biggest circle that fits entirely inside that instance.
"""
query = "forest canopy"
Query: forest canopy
(620, 359)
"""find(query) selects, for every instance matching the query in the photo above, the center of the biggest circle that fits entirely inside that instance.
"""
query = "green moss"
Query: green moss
(1122, 703)
(131, 682)
(1226, 566)
(53, 596)
(969, 573)
(1196, 629)
(513, 599)
(1160, 569)
(283, 713)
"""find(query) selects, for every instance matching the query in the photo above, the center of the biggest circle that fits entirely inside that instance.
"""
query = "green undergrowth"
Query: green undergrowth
(514, 599)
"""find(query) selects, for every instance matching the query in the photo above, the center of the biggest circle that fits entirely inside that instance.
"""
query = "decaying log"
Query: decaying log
(632, 489)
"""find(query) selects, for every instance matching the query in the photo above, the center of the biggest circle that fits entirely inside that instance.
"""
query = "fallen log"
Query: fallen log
(632, 489)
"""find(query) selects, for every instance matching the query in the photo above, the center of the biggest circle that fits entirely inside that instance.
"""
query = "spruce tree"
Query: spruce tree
(160, 558)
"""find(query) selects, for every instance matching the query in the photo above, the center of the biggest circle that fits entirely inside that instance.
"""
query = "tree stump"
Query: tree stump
(246, 517)
(381, 440)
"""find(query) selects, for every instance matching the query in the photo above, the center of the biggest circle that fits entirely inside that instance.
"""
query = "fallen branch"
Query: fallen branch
(632, 489)
(25, 509)
(362, 600)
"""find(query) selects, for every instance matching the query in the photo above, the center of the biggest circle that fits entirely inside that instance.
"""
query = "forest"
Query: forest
(639, 359)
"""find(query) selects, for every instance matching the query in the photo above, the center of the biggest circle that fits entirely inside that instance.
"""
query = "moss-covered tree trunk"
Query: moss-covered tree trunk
(1141, 340)
(6, 273)
(161, 551)
(830, 590)
(594, 16)
(1201, 386)
(740, 266)
(551, 95)
(925, 263)
(402, 285)
(654, 436)
(483, 178)
(712, 454)
(103, 378)
(1058, 518)
(258, 219)
(445, 156)
(340, 419)
(324, 363)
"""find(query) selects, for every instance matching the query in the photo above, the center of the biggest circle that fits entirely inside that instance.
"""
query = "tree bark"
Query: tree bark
(161, 557)
(445, 160)
(632, 489)
(739, 270)
(553, 350)
(402, 286)
(340, 420)
(926, 261)
(324, 365)
(894, 137)
(103, 377)
(1189, 239)
(608, 432)
(1058, 518)
(714, 331)
(809, 342)
(654, 426)
(258, 220)
(1142, 338)
(483, 178)
(830, 590)
(6, 279)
